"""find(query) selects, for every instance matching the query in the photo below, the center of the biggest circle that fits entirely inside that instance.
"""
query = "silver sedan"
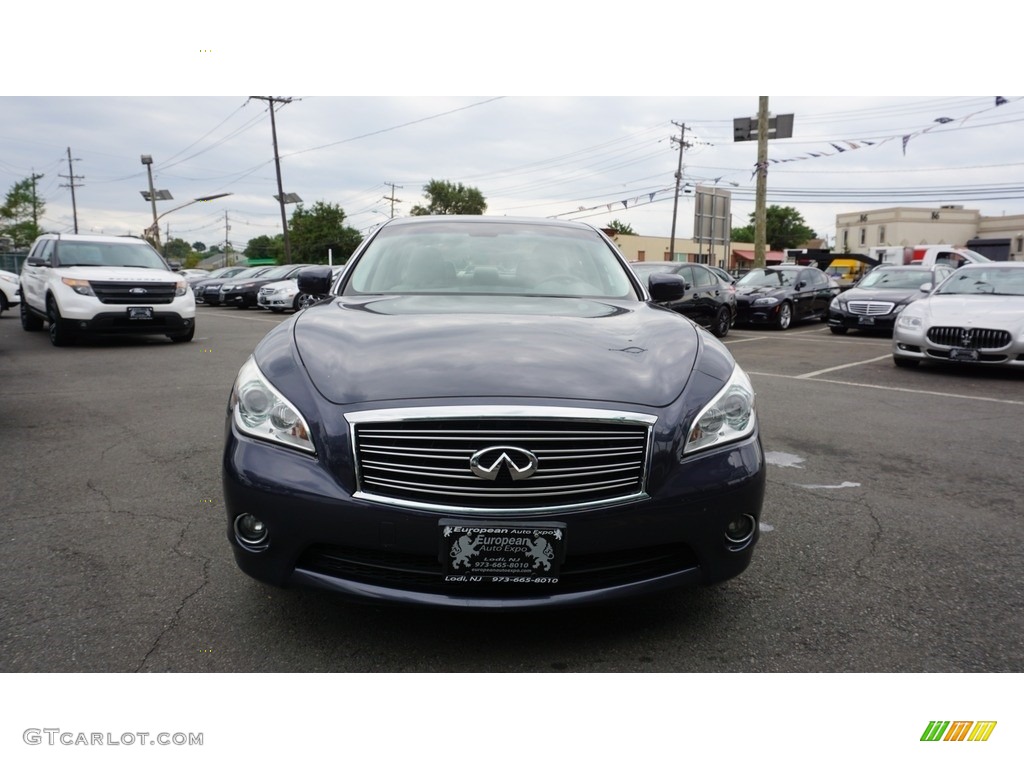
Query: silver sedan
(975, 317)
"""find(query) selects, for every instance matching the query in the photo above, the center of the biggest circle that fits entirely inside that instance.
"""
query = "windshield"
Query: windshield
(990, 279)
(772, 278)
(130, 253)
(489, 257)
(895, 278)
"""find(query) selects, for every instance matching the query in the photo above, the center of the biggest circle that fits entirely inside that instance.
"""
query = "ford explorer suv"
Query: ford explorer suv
(96, 284)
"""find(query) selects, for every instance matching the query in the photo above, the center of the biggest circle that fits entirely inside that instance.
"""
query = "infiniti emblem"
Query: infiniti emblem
(138, 290)
(487, 463)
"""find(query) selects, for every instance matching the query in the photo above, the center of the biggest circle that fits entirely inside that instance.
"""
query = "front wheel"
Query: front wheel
(905, 362)
(785, 318)
(838, 330)
(723, 320)
(29, 321)
(60, 336)
(183, 338)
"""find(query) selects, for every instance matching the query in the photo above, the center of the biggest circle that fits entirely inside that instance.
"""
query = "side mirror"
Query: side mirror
(35, 261)
(926, 287)
(315, 280)
(664, 287)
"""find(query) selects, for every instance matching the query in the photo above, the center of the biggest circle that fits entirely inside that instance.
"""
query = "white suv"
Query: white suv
(100, 284)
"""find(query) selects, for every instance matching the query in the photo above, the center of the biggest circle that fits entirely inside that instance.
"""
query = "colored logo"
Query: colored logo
(958, 730)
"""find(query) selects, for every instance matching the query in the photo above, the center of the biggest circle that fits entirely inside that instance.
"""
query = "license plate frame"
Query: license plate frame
(140, 313)
(865, 321)
(963, 355)
(501, 552)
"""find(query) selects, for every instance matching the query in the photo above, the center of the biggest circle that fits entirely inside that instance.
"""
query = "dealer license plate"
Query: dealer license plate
(963, 355)
(866, 321)
(140, 313)
(501, 553)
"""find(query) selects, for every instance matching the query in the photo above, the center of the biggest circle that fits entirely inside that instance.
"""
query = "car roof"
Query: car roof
(92, 238)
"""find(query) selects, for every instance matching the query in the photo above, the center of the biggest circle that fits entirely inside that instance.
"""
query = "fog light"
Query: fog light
(250, 530)
(740, 532)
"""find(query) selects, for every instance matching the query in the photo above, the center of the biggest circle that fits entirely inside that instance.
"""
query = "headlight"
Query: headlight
(766, 301)
(180, 288)
(78, 286)
(837, 305)
(261, 411)
(729, 416)
(909, 321)
(8, 279)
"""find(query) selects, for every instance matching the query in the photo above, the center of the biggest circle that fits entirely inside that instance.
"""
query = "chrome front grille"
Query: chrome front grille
(871, 308)
(425, 457)
(133, 293)
(969, 338)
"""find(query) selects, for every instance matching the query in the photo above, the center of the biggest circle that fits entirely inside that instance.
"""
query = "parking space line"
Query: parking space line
(840, 367)
(894, 389)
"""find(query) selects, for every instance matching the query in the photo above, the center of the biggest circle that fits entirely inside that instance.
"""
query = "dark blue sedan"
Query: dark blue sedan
(491, 413)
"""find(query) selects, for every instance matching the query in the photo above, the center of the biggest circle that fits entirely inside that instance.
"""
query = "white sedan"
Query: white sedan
(10, 295)
(974, 317)
(284, 294)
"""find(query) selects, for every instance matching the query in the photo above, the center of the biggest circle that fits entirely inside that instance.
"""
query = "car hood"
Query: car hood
(393, 348)
(976, 311)
(754, 291)
(132, 274)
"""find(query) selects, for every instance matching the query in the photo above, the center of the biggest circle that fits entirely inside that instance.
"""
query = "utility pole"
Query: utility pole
(277, 164)
(227, 241)
(681, 141)
(35, 200)
(392, 199)
(761, 194)
(71, 183)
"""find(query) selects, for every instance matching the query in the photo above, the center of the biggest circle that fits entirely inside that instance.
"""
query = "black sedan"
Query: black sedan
(491, 413)
(208, 291)
(708, 301)
(243, 292)
(875, 302)
(782, 295)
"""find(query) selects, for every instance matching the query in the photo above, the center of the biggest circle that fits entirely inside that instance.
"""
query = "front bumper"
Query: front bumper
(118, 323)
(850, 321)
(320, 535)
(913, 344)
(747, 314)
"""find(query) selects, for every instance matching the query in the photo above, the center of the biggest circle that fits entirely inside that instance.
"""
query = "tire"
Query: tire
(183, 338)
(29, 321)
(60, 336)
(785, 318)
(905, 362)
(276, 310)
(723, 321)
(3, 304)
(838, 330)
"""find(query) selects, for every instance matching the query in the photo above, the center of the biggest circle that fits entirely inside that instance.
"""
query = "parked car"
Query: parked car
(726, 277)
(875, 302)
(284, 294)
(782, 295)
(708, 300)
(531, 432)
(208, 291)
(86, 284)
(10, 293)
(193, 274)
(241, 291)
(974, 317)
(214, 274)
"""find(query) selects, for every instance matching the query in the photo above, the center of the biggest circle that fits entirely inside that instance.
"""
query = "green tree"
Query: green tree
(20, 213)
(199, 246)
(443, 197)
(621, 228)
(784, 228)
(180, 251)
(314, 231)
(265, 247)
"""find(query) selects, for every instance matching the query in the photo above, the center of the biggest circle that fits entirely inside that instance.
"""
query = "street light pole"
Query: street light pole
(147, 160)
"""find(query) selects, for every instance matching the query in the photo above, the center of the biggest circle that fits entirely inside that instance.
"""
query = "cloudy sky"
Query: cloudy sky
(517, 110)
(587, 158)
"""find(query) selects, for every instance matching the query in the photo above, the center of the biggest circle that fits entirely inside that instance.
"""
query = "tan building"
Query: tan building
(640, 248)
(998, 237)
